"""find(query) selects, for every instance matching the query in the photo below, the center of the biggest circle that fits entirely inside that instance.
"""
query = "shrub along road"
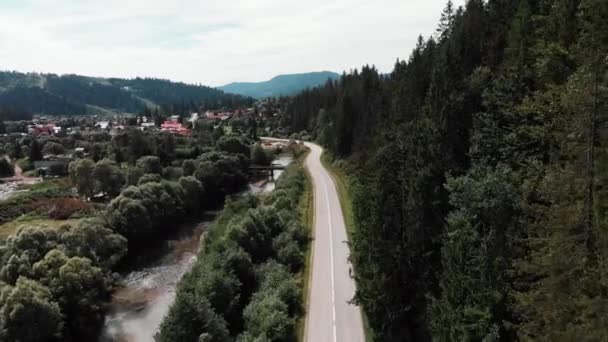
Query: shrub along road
(330, 316)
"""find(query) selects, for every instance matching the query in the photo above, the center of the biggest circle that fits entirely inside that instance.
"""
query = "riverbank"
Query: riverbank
(148, 282)
(252, 258)
(148, 289)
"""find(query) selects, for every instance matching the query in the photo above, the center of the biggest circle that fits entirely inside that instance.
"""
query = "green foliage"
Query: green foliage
(133, 175)
(143, 210)
(29, 313)
(92, 240)
(479, 162)
(149, 178)
(188, 167)
(221, 174)
(89, 177)
(81, 175)
(150, 164)
(192, 320)
(78, 288)
(26, 164)
(478, 254)
(15, 151)
(109, 179)
(193, 193)
(172, 173)
(234, 283)
(71, 265)
(53, 148)
(233, 144)
(267, 318)
(21, 203)
(6, 168)
(259, 156)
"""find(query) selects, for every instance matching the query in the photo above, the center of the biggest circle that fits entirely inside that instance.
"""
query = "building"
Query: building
(210, 114)
(49, 129)
(175, 127)
(102, 124)
(145, 126)
(213, 115)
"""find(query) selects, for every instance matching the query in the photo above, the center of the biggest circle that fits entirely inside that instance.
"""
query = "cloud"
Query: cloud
(212, 41)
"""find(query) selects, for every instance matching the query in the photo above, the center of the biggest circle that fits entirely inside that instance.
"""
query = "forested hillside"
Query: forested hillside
(77, 95)
(479, 175)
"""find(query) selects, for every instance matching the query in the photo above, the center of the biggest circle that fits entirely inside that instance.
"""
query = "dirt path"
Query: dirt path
(18, 172)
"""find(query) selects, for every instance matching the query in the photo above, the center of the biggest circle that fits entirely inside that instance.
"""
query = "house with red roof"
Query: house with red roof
(49, 129)
(175, 127)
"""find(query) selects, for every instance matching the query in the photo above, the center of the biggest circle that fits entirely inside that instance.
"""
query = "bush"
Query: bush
(53, 148)
(172, 173)
(267, 318)
(19, 203)
(26, 305)
(68, 266)
(81, 175)
(149, 178)
(133, 175)
(192, 319)
(188, 167)
(60, 208)
(25, 164)
(109, 178)
(58, 169)
(147, 209)
(6, 168)
(259, 156)
(150, 164)
(221, 174)
(256, 306)
(234, 145)
(91, 239)
(193, 193)
(297, 149)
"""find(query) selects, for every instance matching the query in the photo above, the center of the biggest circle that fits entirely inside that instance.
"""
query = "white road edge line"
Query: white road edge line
(331, 258)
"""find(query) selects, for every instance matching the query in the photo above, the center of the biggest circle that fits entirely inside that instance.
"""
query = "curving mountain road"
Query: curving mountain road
(330, 317)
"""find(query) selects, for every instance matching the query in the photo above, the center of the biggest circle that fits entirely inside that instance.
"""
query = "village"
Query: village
(45, 145)
(177, 124)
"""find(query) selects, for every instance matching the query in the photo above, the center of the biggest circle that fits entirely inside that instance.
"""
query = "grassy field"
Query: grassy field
(11, 227)
(59, 183)
(47, 202)
(342, 181)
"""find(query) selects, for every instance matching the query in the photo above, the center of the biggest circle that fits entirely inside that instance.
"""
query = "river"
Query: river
(147, 288)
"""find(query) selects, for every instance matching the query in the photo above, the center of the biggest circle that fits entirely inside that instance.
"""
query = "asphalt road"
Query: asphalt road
(330, 317)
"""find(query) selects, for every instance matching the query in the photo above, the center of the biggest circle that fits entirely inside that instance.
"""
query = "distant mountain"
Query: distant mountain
(280, 85)
(78, 95)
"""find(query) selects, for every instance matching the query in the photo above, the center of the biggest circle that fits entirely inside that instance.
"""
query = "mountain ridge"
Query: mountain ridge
(285, 84)
(72, 94)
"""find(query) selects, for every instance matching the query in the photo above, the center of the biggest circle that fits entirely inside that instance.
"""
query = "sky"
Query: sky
(211, 42)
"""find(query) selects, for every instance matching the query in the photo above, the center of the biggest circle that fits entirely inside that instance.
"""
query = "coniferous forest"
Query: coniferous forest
(478, 170)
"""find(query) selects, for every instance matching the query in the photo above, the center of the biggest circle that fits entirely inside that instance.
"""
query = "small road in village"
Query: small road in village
(330, 316)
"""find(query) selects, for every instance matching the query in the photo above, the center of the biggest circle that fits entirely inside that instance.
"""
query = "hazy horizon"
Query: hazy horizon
(212, 43)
